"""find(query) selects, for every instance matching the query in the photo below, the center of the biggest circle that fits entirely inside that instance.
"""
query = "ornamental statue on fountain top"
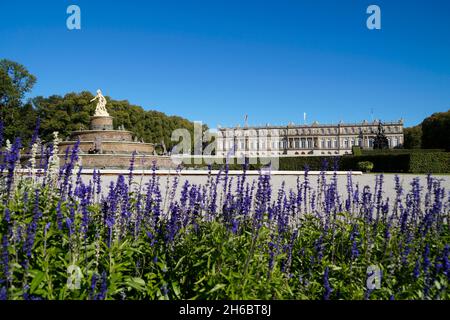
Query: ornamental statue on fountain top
(100, 110)
(380, 141)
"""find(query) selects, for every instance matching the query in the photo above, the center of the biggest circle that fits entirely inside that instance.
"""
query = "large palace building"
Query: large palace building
(304, 140)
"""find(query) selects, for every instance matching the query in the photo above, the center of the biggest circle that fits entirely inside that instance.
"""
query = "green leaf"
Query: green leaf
(179, 263)
(437, 284)
(136, 283)
(217, 287)
(36, 280)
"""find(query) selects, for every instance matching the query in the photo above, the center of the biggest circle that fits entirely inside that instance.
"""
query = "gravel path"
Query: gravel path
(289, 179)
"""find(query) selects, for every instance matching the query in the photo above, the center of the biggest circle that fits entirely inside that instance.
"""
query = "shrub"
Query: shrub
(399, 161)
(431, 162)
(356, 151)
(365, 166)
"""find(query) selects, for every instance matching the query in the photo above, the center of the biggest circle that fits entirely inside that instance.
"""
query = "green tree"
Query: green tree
(413, 137)
(15, 82)
(436, 131)
(72, 112)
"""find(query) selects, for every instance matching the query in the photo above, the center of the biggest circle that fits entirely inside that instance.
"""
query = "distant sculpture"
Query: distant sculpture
(100, 110)
(380, 141)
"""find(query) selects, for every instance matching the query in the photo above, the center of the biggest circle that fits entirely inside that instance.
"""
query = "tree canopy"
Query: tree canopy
(15, 82)
(72, 111)
(436, 131)
(413, 137)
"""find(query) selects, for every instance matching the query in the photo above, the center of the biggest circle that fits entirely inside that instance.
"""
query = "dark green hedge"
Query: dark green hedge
(382, 163)
(413, 162)
(399, 151)
(433, 162)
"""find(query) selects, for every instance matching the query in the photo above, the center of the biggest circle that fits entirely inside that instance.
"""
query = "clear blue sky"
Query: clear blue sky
(214, 61)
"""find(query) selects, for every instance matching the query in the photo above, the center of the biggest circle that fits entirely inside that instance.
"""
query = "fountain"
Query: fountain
(103, 147)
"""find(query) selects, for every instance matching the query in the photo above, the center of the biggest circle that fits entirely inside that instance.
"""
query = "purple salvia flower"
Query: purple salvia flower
(66, 188)
(426, 266)
(11, 158)
(3, 294)
(416, 271)
(326, 285)
(59, 216)
(31, 230)
(93, 285)
(69, 226)
(103, 288)
(5, 257)
(131, 168)
(354, 240)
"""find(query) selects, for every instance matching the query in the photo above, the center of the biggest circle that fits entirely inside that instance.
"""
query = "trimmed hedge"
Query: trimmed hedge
(382, 163)
(398, 151)
(433, 162)
(396, 162)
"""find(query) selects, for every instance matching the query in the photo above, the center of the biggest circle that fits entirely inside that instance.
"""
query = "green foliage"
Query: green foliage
(15, 82)
(431, 162)
(398, 151)
(191, 252)
(313, 163)
(365, 166)
(208, 261)
(407, 161)
(436, 131)
(412, 137)
(72, 112)
(356, 151)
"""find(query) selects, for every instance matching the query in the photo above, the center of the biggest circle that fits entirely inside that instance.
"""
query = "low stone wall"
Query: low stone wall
(119, 161)
(104, 135)
(112, 147)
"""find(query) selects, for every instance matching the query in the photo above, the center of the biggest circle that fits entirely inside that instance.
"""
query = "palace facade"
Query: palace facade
(304, 140)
